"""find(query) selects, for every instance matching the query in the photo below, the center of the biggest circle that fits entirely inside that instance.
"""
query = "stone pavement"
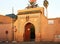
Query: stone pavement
(29, 42)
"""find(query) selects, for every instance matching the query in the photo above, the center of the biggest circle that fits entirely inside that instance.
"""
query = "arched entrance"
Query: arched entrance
(29, 33)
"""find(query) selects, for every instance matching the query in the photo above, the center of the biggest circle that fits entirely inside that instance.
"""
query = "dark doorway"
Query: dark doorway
(29, 34)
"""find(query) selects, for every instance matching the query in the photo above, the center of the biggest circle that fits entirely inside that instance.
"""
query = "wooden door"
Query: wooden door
(27, 33)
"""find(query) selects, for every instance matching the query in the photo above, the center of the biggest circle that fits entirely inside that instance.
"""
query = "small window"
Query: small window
(50, 21)
(57, 36)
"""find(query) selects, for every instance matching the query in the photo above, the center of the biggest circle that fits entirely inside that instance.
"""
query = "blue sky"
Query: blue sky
(6, 6)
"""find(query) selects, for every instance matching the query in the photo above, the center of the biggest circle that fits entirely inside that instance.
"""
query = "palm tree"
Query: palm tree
(45, 3)
(13, 16)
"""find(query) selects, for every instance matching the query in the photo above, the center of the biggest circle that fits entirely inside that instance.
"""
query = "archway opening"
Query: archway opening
(29, 33)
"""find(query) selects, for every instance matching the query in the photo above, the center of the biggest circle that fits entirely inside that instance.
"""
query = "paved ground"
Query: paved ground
(29, 43)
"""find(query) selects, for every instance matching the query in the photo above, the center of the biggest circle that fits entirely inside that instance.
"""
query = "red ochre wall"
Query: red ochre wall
(5, 25)
(3, 28)
(49, 32)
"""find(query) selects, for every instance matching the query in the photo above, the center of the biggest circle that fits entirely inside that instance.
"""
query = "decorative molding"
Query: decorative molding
(27, 18)
(30, 12)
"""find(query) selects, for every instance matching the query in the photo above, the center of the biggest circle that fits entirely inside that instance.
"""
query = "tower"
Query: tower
(12, 10)
(29, 23)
